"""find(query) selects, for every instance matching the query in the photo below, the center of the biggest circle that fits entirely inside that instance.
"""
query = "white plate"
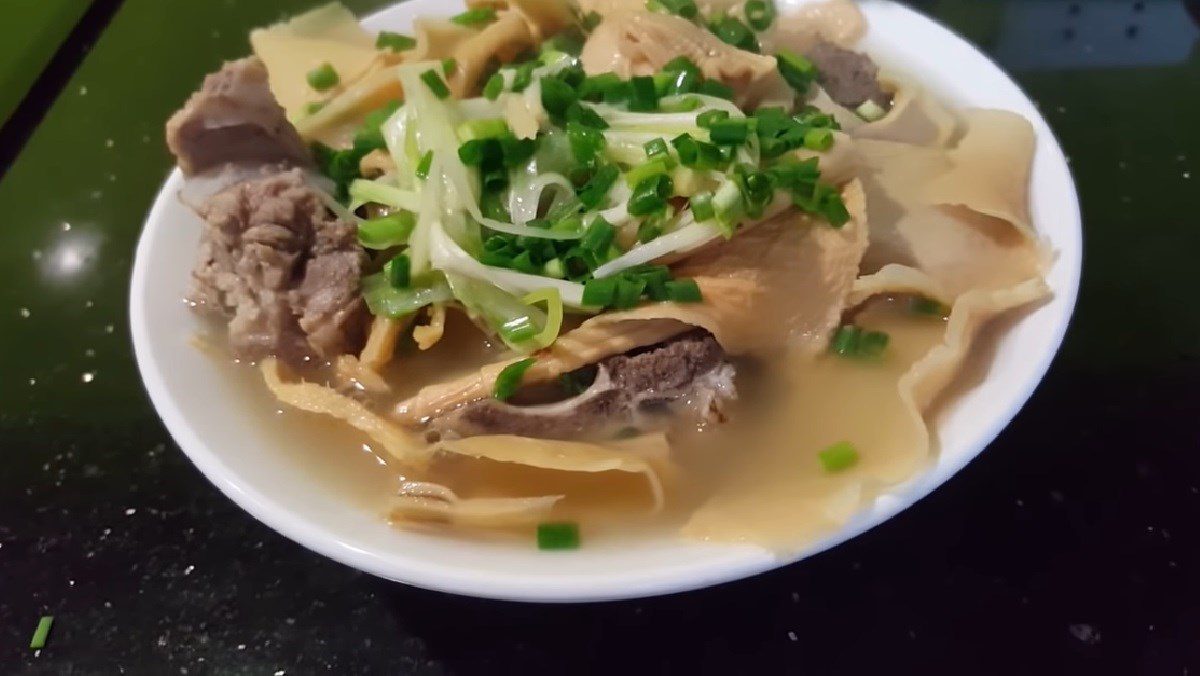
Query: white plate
(237, 454)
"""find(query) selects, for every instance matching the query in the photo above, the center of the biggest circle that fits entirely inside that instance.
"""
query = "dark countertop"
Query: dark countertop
(1070, 546)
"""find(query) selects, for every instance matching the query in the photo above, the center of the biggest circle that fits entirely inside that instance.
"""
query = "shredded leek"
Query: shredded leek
(554, 314)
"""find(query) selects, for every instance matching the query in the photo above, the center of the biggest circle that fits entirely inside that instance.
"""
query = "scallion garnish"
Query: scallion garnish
(838, 457)
(683, 291)
(397, 42)
(643, 95)
(760, 14)
(322, 77)
(592, 194)
(729, 132)
(43, 626)
(509, 379)
(819, 138)
(475, 17)
(851, 341)
(599, 292)
(557, 95)
(399, 272)
(796, 70)
(598, 236)
(386, 231)
(482, 129)
(557, 536)
(435, 83)
(702, 206)
(710, 117)
(494, 86)
(423, 165)
(920, 305)
(734, 32)
(655, 147)
(650, 195)
(586, 142)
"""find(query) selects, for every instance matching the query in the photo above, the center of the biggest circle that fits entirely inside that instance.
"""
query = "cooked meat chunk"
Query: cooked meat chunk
(284, 270)
(685, 376)
(849, 77)
(233, 118)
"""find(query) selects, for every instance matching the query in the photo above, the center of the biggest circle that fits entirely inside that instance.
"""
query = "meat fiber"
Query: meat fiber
(282, 269)
(234, 118)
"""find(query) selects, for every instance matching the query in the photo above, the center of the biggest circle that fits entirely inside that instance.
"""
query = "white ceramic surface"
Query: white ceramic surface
(238, 456)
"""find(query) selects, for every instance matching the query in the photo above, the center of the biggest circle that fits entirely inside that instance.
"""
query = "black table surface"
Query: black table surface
(1069, 546)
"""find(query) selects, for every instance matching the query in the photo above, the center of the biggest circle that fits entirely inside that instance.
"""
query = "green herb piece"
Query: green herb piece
(654, 167)
(322, 77)
(43, 626)
(702, 206)
(481, 129)
(599, 292)
(592, 194)
(399, 272)
(598, 235)
(590, 21)
(586, 142)
(524, 76)
(683, 291)
(920, 305)
(435, 83)
(314, 107)
(714, 88)
(557, 536)
(424, 164)
(838, 457)
(386, 231)
(796, 70)
(729, 132)
(710, 117)
(734, 32)
(818, 139)
(851, 341)
(582, 114)
(475, 18)
(650, 195)
(557, 95)
(684, 8)
(643, 94)
(655, 147)
(760, 14)
(596, 87)
(449, 65)
(397, 42)
(509, 380)
(628, 292)
(494, 86)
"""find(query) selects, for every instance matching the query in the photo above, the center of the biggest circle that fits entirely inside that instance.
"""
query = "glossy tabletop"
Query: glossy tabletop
(1071, 545)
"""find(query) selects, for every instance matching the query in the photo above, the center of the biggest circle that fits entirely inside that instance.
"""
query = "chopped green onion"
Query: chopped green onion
(397, 42)
(554, 314)
(322, 77)
(475, 17)
(384, 300)
(424, 164)
(838, 457)
(585, 115)
(819, 139)
(655, 147)
(714, 88)
(683, 105)
(599, 292)
(557, 95)
(796, 70)
(473, 152)
(650, 229)
(494, 86)
(435, 83)
(314, 107)
(709, 117)
(654, 167)
(554, 268)
(480, 129)
(516, 151)
(628, 292)
(523, 262)
(399, 272)
(557, 536)
(43, 626)
(683, 291)
(509, 380)
(760, 14)
(734, 32)
(702, 206)
(585, 141)
(729, 132)
(870, 111)
(598, 235)
(524, 76)
(851, 341)
(650, 195)
(596, 189)
(597, 87)
(920, 305)
(591, 20)
(684, 8)
(386, 231)
(643, 95)
(449, 65)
